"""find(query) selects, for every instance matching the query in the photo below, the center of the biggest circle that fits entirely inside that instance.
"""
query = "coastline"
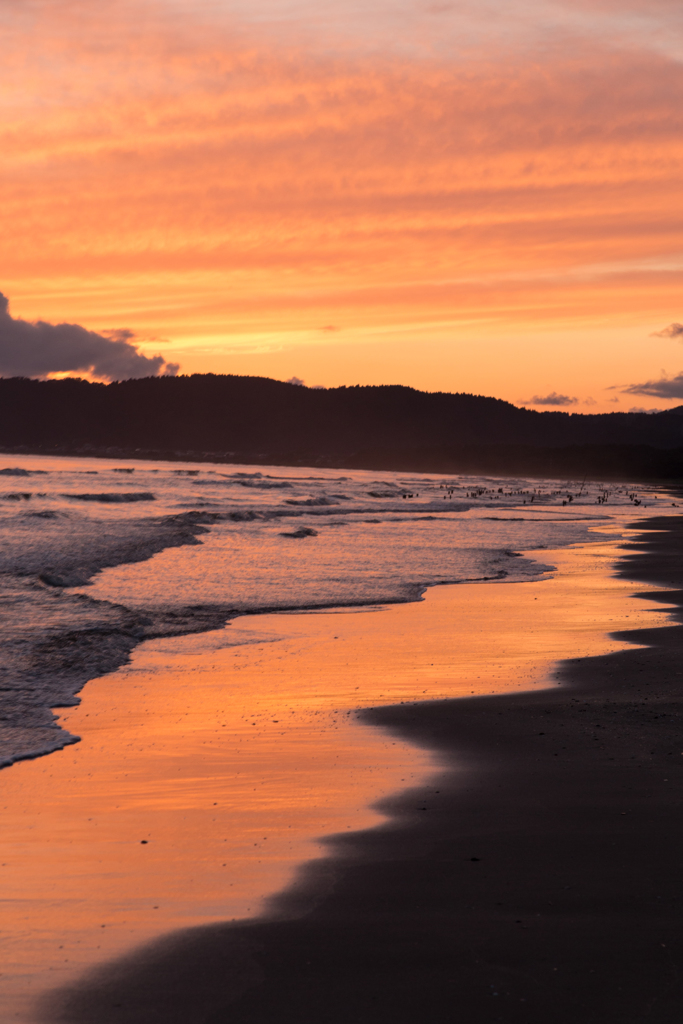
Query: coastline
(227, 755)
(78, 638)
(63, 628)
(615, 462)
(541, 884)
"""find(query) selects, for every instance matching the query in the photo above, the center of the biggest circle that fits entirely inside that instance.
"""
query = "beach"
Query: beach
(96, 557)
(341, 512)
(531, 875)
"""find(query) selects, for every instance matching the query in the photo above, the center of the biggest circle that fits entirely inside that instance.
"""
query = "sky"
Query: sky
(481, 197)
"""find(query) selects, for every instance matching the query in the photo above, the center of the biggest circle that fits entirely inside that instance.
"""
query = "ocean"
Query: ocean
(96, 556)
(228, 621)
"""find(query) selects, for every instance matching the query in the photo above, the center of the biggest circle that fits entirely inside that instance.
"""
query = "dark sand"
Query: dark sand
(544, 885)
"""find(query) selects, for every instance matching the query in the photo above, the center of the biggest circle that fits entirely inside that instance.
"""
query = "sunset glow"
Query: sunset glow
(463, 199)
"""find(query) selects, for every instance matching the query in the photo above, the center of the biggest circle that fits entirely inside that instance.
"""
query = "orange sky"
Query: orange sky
(455, 197)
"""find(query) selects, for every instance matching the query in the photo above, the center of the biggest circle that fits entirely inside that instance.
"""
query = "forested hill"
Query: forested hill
(255, 419)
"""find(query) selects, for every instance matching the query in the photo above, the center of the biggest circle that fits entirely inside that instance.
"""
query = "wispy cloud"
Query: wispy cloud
(214, 173)
(222, 159)
(38, 349)
(672, 331)
(665, 387)
(553, 399)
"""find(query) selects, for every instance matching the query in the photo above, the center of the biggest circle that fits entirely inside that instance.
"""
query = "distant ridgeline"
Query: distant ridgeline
(208, 417)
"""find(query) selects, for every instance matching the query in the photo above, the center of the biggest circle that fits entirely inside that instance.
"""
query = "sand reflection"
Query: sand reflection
(208, 766)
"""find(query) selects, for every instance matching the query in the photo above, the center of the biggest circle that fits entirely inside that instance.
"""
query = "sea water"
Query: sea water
(97, 555)
(235, 618)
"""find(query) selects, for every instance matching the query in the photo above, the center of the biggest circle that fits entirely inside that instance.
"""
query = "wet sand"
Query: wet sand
(229, 753)
(536, 878)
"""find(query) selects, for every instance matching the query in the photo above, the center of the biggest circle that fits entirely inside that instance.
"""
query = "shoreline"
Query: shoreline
(230, 759)
(83, 634)
(614, 461)
(86, 633)
(119, 630)
(569, 463)
(540, 885)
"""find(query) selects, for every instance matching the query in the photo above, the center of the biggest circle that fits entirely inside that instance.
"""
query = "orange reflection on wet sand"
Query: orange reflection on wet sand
(208, 766)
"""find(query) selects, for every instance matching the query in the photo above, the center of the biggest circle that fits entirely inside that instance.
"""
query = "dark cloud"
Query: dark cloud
(665, 387)
(553, 399)
(295, 380)
(672, 331)
(37, 349)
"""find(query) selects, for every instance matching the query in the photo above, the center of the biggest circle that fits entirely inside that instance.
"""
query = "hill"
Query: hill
(258, 420)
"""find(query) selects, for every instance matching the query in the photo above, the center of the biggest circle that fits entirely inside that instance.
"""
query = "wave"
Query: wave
(260, 484)
(243, 571)
(72, 638)
(316, 507)
(263, 485)
(116, 497)
(311, 502)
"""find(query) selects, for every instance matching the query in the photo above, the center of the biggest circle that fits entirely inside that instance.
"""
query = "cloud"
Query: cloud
(672, 331)
(665, 387)
(285, 186)
(295, 380)
(37, 349)
(553, 399)
(232, 181)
